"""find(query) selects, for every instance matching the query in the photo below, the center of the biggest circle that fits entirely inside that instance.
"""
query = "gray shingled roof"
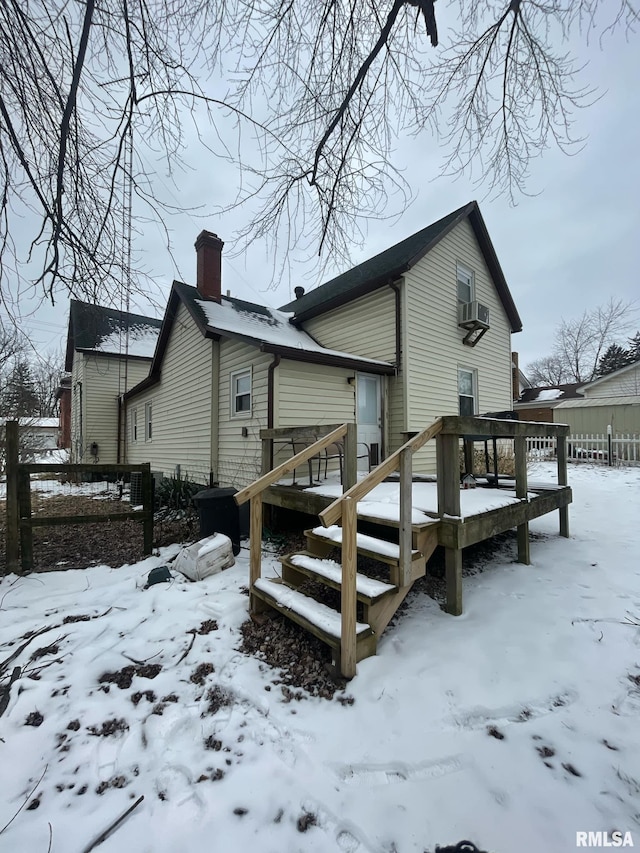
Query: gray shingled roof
(393, 262)
(95, 328)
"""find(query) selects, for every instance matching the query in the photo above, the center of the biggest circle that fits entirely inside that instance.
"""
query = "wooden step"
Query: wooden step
(368, 590)
(321, 621)
(367, 546)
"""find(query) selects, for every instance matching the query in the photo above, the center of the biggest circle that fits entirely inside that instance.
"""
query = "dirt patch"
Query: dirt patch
(218, 698)
(109, 728)
(200, 673)
(207, 627)
(35, 719)
(300, 657)
(123, 677)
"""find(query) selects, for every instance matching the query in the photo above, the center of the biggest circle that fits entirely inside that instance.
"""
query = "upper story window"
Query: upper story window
(241, 393)
(134, 425)
(467, 391)
(148, 422)
(465, 283)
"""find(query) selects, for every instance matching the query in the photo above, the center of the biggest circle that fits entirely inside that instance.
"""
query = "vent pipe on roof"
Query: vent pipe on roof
(209, 270)
(299, 292)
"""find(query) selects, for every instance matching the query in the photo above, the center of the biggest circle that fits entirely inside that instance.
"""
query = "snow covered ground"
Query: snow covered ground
(515, 725)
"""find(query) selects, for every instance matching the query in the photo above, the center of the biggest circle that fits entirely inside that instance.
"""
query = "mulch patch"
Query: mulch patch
(77, 546)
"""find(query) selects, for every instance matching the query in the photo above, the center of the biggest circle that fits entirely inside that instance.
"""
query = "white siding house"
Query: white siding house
(108, 352)
(380, 345)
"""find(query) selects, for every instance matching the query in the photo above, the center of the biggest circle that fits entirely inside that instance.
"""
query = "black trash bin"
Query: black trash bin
(219, 514)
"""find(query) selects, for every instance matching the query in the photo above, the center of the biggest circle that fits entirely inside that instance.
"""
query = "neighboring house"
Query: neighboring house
(108, 351)
(422, 329)
(611, 401)
(539, 404)
(38, 438)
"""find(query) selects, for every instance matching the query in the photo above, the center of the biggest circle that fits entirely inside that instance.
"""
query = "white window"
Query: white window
(467, 391)
(241, 393)
(465, 284)
(148, 422)
(134, 425)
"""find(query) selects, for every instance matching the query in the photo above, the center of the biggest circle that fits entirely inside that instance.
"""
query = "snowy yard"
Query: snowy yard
(515, 725)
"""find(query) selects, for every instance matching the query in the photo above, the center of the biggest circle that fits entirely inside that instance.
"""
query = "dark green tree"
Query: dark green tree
(634, 347)
(614, 358)
(19, 397)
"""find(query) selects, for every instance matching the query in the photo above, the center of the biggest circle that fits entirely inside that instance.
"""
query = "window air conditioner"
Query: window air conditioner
(473, 315)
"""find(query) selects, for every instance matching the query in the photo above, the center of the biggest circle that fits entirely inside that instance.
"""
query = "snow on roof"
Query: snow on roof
(549, 394)
(589, 402)
(267, 325)
(141, 343)
(42, 423)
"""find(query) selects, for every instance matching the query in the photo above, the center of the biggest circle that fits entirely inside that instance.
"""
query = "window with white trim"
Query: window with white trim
(134, 425)
(241, 394)
(465, 284)
(467, 391)
(148, 421)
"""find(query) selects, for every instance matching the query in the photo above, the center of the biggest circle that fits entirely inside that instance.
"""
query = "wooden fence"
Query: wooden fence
(21, 521)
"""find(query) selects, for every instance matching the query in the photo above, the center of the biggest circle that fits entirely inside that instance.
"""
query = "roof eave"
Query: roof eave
(328, 359)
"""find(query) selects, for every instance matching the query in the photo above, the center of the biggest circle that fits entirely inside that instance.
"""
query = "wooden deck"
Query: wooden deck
(454, 533)
(423, 517)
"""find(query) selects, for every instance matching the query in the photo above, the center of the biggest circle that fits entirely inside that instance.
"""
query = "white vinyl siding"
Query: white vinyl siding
(239, 455)
(433, 340)
(181, 405)
(104, 379)
(626, 383)
(314, 394)
(367, 327)
(364, 327)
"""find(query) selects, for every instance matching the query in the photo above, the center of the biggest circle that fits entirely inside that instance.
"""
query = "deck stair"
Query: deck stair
(378, 600)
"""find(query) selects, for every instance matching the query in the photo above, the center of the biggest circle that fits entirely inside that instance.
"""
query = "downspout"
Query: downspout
(119, 445)
(396, 290)
(270, 401)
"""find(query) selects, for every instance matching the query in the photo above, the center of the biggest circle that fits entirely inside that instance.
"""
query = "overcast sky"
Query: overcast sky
(569, 246)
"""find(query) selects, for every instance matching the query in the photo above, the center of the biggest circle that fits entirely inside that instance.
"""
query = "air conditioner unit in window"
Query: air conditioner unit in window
(473, 315)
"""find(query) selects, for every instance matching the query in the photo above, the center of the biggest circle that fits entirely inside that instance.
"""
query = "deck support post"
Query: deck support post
(348, 589)
(448, 471)
(255, 549)
(406, 529)
(520, 448)
(561, 450)
(453, 571)
(350, 474)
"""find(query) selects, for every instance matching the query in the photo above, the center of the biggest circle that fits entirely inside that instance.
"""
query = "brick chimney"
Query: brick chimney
(209, 272)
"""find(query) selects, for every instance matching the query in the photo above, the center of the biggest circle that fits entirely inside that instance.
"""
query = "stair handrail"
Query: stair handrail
(345, 508)
(253, 492)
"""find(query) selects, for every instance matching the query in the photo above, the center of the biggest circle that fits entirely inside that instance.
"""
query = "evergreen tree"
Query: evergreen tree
(634, 347)
(19, 398)
(613, 359)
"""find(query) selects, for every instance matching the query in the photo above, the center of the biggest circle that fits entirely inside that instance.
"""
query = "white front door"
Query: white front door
(369, 420)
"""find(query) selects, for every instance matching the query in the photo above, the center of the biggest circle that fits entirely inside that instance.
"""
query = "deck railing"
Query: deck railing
(253, 492)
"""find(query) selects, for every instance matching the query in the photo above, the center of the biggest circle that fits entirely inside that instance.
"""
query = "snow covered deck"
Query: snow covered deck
(484, 511)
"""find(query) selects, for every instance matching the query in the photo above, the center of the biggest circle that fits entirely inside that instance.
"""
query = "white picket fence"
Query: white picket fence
(614, 449)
